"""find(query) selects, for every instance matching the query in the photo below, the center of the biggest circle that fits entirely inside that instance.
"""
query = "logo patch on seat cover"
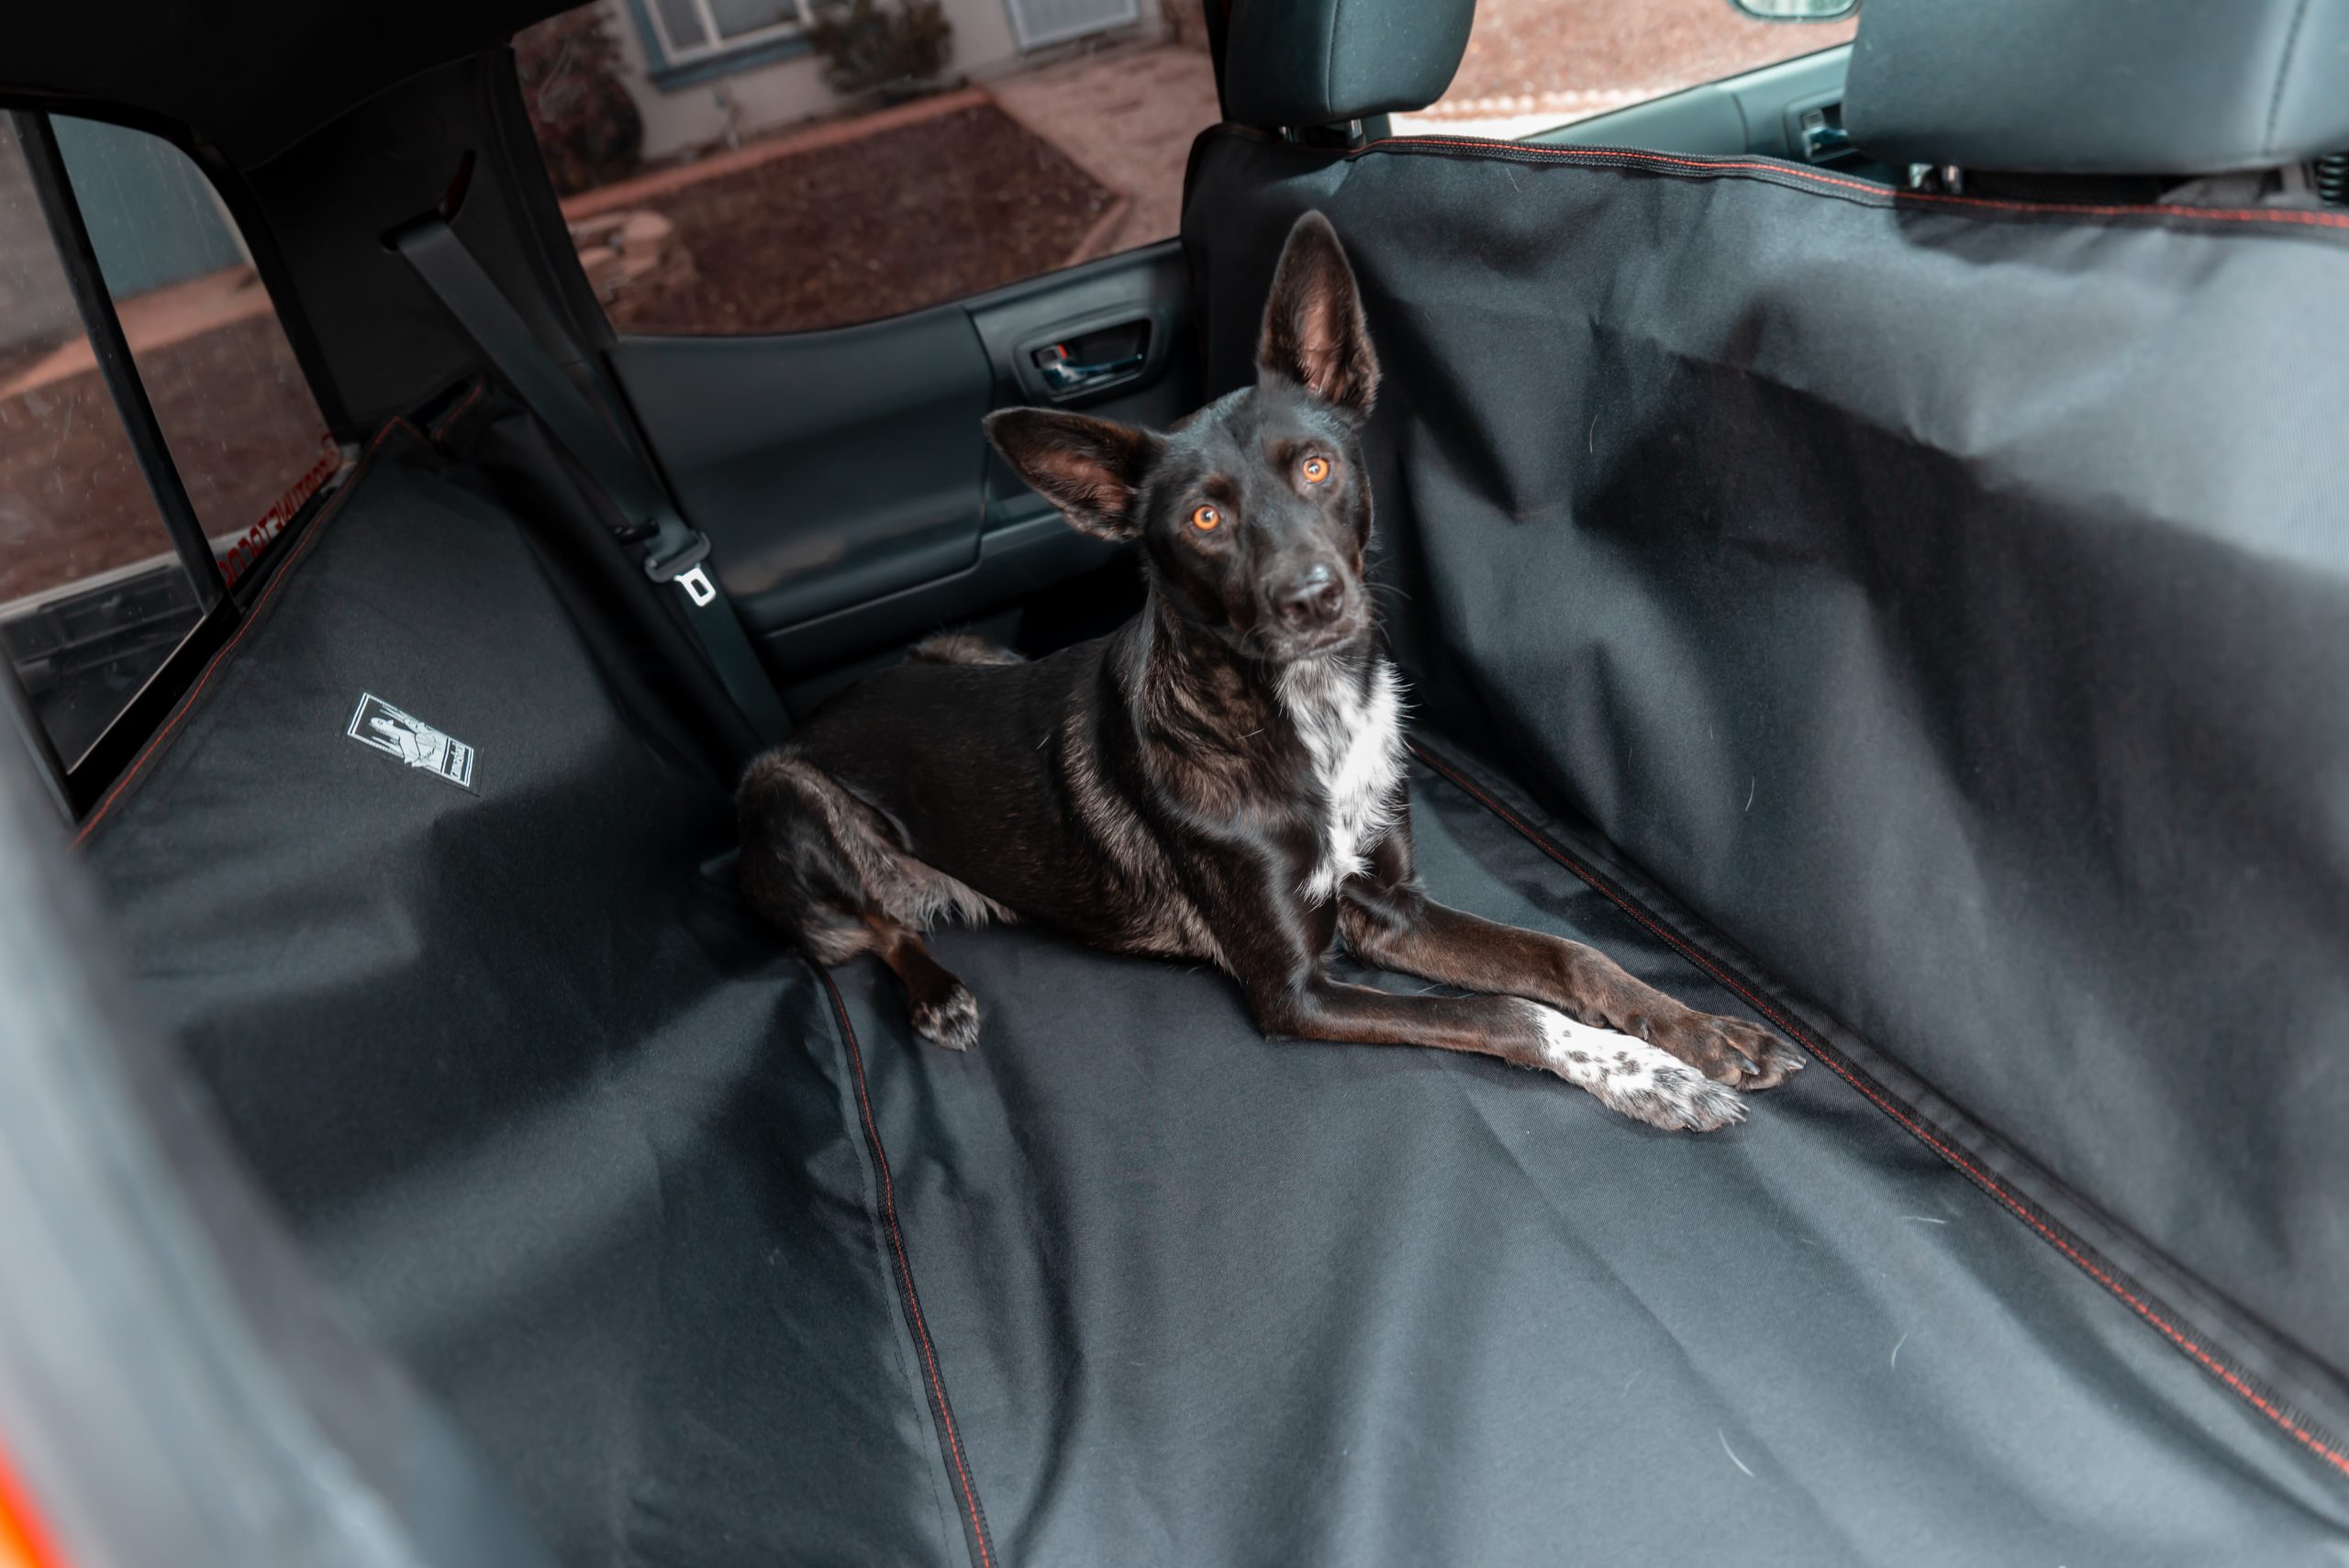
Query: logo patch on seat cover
(379, 724)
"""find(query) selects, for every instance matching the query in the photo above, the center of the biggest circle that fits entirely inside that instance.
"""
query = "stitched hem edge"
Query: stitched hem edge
(1805, 180)
(2164, 1320)
(1794, 176)
(981, 1544)
(158, 743)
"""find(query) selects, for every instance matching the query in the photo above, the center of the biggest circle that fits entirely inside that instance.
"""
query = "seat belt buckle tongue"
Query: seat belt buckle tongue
(676, 555)
(676, 552)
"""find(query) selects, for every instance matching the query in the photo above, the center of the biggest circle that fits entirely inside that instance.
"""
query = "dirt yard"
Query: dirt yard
(854, 231)
(72, 502)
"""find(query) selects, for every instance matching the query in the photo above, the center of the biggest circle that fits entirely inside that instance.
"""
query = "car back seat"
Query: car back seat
(720, 1265)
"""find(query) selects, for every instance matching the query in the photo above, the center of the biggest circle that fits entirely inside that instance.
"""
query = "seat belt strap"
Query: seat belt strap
(674, 552)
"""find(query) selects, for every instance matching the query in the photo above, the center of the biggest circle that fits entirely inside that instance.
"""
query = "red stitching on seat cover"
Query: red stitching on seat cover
(441, 426)
(153, 748)
(906, 1274)
(2333, 1456)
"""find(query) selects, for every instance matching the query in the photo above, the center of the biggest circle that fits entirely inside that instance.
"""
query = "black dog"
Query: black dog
(1222, 778)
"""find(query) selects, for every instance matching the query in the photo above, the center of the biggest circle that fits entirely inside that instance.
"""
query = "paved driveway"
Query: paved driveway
(1128, 119)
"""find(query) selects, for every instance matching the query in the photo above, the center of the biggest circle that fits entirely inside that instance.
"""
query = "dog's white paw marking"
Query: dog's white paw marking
(1633, 1077)
(952, 1023)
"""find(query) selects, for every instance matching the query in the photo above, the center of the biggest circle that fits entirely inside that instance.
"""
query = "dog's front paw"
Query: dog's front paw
(1634, 1078)
(1727, 1051)
(950, 1019)
(1649, 1086)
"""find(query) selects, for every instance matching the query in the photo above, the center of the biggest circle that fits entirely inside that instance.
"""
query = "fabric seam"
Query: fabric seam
(1330, 58)
(907, 1297)
(441, 426)
(901, 1348)
(2283, 74)
(1809, 1038)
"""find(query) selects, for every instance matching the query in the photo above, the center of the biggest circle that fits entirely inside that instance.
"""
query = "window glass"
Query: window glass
(244, 432)
(93, 598)
(737, 17)
(1534, 65)
(93, 594)
(681, 25)
(767, 166)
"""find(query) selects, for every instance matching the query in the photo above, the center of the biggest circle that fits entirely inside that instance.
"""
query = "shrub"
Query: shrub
(867, 45)
(588, 127)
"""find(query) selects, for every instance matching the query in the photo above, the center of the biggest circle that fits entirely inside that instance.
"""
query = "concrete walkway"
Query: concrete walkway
(154, 320)
(1127, 119)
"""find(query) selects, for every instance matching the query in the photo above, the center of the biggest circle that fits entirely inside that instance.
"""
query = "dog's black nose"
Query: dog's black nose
(1313, 599)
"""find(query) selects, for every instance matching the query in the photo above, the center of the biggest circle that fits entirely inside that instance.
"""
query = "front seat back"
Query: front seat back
(1946, 594)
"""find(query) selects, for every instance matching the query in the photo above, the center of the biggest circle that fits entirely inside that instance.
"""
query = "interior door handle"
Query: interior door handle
(1064, 375)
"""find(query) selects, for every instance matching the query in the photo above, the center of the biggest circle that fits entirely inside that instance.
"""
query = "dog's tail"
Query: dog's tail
(834, 875)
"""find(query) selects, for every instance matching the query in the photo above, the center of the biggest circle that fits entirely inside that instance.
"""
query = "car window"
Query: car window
(95, 591)
(235, 409)
(1534, 65)
(782, 165)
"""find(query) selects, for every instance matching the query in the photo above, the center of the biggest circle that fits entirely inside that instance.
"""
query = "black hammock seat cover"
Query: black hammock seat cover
(1949, 600)
(719, 1265)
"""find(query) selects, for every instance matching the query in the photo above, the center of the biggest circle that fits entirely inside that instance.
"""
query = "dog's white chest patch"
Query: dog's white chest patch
(1354, 735)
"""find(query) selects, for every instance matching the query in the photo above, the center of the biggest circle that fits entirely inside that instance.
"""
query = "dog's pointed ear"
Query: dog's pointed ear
(1090, 469)
(1314, 331)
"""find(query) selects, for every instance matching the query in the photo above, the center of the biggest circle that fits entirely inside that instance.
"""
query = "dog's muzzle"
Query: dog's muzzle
(1314, 611)
(1313, 599)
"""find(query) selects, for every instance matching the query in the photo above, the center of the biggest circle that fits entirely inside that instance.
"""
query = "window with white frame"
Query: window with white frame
(1037, 23)
(693, 29)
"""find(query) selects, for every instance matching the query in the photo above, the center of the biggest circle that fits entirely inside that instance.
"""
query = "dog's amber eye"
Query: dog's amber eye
(1316, 469)
(1206, 519)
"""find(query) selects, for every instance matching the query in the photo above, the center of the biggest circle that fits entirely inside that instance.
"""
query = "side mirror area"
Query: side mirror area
(1797, 10)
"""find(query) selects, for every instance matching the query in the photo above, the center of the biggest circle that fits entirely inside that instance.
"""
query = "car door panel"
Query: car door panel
(843, 477)
(1151, 286)
(827, 468)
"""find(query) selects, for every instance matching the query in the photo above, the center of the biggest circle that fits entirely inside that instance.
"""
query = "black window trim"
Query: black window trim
(93, 303)
(78, 784)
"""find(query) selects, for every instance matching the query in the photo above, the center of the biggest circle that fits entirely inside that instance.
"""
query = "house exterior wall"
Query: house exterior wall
(152, 216)
(781, 84)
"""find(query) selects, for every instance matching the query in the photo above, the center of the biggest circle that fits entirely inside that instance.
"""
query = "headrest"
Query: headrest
(1299, 62)
(2100, 86)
